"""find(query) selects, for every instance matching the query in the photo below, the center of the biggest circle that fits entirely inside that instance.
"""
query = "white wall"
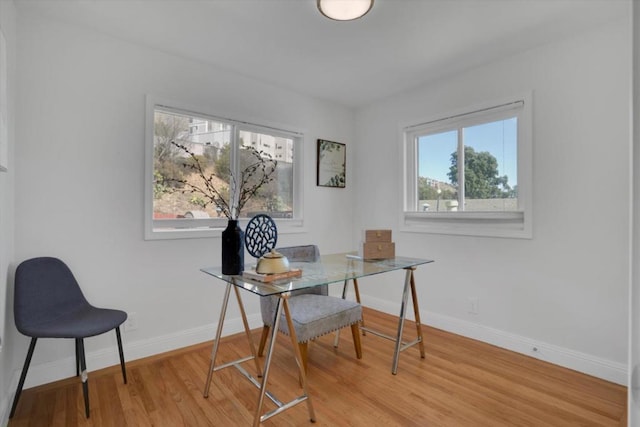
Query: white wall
(7, 361)
(565, 290)
(80, 175)
(634, 288)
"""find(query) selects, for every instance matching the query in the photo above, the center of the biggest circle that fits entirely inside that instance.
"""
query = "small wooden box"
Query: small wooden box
(377, 236)
(378, 250)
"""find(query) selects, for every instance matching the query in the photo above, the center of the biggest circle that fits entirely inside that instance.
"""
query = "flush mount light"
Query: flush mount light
(344, 10)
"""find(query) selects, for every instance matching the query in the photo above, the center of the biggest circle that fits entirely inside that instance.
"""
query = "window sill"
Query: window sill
(487, 224)
(189, 231)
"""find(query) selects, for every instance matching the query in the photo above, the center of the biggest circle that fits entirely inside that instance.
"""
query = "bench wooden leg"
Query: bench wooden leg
(355, 332)
(263, 340)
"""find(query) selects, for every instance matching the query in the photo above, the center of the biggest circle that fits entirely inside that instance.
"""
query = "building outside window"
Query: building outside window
(223, 148)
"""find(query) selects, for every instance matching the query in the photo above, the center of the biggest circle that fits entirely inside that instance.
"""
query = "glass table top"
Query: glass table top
(329, 269)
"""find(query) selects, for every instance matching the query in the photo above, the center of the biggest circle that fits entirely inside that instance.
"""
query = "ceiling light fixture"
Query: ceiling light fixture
(344, 10)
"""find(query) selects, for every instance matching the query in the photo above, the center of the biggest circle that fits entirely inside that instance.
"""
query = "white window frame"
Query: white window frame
(511, 224)
(181, 228)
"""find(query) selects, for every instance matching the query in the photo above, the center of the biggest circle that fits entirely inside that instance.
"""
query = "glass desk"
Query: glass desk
(334, 268)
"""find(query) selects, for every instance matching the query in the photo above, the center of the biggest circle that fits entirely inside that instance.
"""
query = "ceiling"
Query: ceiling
(400, 44)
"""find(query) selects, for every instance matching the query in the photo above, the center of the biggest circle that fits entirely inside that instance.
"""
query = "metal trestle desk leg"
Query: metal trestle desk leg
(409, 285)
(216, 343)
(409, 282)
(283, 304)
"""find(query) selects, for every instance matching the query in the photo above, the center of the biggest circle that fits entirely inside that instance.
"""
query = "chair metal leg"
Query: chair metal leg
(124, 370)
(77, 359)
(84, 375)
(25, 368)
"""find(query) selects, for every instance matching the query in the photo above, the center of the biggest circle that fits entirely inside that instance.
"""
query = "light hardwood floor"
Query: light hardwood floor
(461, 382)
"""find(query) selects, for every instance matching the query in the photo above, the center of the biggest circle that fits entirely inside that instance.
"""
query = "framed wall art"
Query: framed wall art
(332, 164)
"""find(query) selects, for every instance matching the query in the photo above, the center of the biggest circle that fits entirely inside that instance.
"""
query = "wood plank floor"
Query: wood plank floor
(461, 382)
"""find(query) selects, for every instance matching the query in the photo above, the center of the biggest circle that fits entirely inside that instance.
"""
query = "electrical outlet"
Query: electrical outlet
(131, 324)
(474, 305)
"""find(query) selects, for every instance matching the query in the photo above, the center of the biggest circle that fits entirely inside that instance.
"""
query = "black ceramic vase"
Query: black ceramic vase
(232, 249)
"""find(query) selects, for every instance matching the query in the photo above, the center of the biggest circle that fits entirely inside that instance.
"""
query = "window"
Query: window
(177, 138)
(470, 172)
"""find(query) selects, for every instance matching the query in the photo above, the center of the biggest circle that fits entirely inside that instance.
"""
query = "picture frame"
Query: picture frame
(331, 164)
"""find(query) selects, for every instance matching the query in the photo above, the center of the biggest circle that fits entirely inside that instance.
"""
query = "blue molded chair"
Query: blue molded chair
(49, 304)
(314, 313)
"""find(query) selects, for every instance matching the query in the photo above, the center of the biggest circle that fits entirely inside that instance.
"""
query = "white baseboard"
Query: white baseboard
(588, 364)
(53, 371)
(5, 406)
(581, 362)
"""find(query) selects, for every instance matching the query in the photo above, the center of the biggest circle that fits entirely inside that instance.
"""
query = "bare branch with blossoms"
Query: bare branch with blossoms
(256, 174)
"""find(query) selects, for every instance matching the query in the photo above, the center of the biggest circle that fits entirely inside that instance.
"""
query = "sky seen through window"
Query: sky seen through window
(498, 138)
